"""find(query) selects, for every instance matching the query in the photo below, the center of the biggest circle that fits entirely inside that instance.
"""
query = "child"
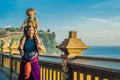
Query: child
(30, 21)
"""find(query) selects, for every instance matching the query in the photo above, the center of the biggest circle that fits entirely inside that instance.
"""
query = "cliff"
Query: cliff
(47, 37)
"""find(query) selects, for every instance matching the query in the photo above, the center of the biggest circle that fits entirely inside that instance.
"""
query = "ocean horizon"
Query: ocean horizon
(103, 51)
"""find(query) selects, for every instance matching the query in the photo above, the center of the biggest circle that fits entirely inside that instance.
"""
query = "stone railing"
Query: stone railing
(78, 68)
(69, 66)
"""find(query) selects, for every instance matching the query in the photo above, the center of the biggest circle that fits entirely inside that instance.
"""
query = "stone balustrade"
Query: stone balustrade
(69, 66)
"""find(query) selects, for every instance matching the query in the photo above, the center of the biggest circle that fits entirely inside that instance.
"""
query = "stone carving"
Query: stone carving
(71, 47)
(65, 67)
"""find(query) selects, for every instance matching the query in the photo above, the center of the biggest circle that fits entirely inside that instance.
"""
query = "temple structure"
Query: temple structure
(73, 46)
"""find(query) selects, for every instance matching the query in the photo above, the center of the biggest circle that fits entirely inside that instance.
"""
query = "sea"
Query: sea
(103, 51)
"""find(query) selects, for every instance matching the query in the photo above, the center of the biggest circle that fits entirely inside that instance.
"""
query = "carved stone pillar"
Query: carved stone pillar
(5, 45)
(71, 47)
(14, 48)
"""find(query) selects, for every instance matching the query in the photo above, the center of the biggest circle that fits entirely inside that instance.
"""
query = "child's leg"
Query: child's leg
(22, 42)
(37, 40)
(39, 45)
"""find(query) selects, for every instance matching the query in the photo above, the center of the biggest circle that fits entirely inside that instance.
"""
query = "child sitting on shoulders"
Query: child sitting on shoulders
(30, 21)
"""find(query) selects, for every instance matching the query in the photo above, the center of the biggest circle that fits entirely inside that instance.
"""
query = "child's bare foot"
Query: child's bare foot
(39, 52)
(21, 52)
(20, 48)
(41, 48)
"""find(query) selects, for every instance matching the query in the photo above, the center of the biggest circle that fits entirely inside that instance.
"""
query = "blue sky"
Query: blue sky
(97, 22)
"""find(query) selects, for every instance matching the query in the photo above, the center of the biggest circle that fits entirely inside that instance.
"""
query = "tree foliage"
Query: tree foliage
(48, 40)
(47, 37)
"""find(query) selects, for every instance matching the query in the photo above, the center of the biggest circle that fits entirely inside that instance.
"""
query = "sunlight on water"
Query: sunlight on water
(103, 51)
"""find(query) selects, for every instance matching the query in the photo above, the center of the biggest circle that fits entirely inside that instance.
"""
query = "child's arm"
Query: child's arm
(23, 25)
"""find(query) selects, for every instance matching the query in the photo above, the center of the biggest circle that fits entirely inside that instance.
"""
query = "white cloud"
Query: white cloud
(107, 3)
(106, 37)
(95, 19)
(97, 5)
(93, 31)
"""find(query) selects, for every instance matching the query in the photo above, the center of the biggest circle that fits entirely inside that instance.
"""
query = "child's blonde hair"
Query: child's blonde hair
(30, 10)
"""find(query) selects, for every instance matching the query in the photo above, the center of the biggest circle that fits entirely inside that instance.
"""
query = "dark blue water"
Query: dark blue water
(103, 51)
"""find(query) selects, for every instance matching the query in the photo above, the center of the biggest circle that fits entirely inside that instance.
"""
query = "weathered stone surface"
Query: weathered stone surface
(5, 46)
(73, 46)
(14, 48)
